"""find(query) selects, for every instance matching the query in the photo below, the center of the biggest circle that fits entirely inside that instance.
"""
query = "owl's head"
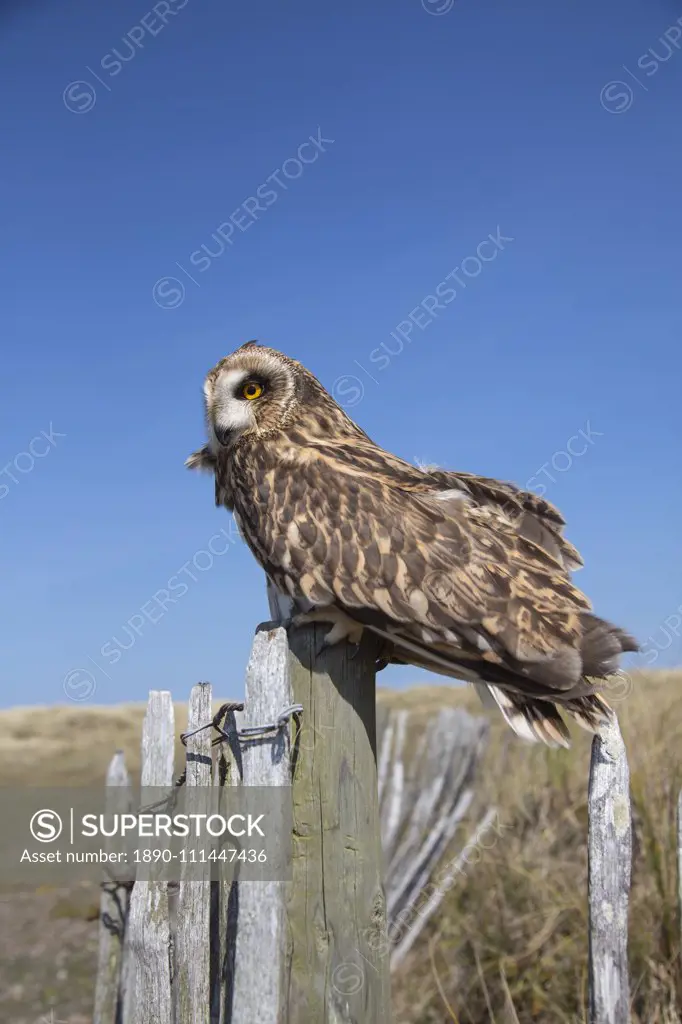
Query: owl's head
(254, 391)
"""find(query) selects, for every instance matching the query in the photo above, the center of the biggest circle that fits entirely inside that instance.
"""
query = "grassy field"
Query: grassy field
(510, 943)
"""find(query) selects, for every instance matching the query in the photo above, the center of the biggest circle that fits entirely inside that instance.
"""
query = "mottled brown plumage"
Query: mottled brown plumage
(466, 576)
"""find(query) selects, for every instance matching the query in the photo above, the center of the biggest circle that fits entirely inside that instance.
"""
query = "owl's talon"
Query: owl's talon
(343, 627)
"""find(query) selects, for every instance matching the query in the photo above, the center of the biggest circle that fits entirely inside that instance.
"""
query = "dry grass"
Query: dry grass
(510, 943)
(73, 745)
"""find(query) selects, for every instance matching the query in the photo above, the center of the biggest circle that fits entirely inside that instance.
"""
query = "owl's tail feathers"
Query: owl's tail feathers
(534, 719)
(591, 712)
(602, 645)
(529, 718)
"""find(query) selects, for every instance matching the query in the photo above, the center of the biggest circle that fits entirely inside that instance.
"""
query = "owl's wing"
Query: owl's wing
(354, 527)
(539, 520)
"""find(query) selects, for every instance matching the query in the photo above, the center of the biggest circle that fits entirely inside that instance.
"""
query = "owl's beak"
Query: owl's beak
(223, 435)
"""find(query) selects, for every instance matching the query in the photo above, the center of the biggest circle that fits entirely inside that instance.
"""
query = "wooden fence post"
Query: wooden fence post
(423, 800)
(337, 966)
(609, 870)
(192, 989)
(148, 1000)
(259, 970)
(113, 908)
(224, 903)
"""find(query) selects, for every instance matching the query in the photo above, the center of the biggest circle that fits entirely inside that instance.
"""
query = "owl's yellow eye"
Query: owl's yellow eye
(252, 390)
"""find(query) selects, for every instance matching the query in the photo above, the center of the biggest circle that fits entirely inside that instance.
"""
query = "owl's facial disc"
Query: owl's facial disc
(232, 405)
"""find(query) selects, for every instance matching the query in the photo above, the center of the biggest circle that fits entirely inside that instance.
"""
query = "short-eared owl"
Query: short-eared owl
(466, 576)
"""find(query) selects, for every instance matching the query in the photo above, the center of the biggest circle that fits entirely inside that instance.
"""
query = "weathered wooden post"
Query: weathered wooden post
(314, 949)
(609, 871)
(227, 771)
(113, 908)
(337, 968)
(148, 996)
(259, 986)
(192, 983)
(423, 799)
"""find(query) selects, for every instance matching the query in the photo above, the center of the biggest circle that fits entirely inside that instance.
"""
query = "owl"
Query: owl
(463, 575)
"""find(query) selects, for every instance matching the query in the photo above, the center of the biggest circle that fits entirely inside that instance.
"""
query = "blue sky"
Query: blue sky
(132, 136)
